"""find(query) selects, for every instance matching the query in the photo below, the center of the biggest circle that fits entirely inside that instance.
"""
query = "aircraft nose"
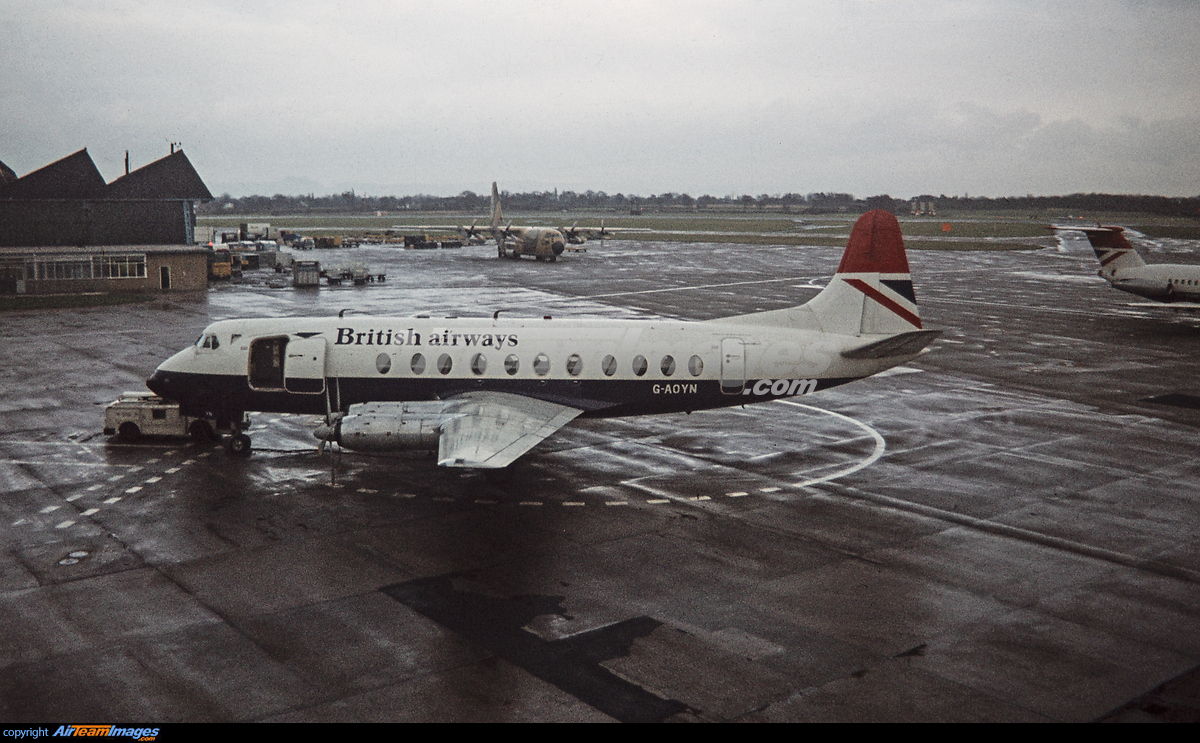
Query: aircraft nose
(558, 247)
(160, 383)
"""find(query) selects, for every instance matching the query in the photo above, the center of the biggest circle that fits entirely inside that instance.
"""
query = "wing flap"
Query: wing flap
(489, 430)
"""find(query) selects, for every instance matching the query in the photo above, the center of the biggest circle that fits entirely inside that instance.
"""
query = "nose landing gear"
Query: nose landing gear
(238, 443)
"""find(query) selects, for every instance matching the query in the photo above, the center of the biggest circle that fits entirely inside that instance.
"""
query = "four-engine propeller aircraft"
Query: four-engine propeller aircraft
(543, 243)
(484, 391)
(1121, 266)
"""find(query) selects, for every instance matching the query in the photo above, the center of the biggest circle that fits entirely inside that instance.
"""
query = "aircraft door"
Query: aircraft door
(733, 366)
(304, 366)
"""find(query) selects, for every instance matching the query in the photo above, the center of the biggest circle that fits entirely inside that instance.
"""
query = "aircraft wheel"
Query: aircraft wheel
(553, 258)
(129, 431)
(239, 445)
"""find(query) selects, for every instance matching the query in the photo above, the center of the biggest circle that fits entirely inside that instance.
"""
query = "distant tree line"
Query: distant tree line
(814, 203)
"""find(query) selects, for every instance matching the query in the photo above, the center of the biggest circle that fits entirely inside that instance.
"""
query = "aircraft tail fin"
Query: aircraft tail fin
(1112, 249)
(497, 215)
(872, 291)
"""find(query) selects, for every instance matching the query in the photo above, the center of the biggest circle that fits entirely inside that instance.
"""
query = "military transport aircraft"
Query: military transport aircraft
(484, 391)
(1121, 266)
(543, 243)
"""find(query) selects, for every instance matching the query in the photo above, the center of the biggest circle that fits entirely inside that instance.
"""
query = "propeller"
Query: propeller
(327, 434)
(572, 234)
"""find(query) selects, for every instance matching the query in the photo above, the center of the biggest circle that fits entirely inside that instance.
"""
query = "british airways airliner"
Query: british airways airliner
(1121, 266)
(484, 391)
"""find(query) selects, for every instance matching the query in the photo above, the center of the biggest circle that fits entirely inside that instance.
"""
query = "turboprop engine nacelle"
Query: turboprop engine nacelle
(386, 426)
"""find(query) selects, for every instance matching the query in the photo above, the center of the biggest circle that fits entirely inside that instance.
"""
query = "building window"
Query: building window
(119, 266)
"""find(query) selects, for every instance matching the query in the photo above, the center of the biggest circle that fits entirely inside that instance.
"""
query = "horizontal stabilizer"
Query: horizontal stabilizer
(905, 344)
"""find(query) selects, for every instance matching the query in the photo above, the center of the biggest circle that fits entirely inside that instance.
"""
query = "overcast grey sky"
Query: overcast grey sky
(987, 97)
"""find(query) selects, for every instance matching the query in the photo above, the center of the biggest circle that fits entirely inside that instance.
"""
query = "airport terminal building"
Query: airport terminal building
(64, 230)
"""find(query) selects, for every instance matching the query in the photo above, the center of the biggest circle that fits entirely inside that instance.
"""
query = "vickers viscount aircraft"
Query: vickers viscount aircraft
(484, 391)
(1121, 266)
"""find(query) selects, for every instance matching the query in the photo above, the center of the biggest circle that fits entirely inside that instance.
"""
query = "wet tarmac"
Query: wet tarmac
(1005, 529)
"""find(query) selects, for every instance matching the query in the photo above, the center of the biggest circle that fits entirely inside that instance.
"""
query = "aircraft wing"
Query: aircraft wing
(491, 429)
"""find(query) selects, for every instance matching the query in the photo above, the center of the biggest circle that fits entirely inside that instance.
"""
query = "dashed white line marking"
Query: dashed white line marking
(64, 525)
(152, 480)
(134, 489)
(769, 490)
(48, 509)
(738, 494)
(173, 470)
(113, 499)
(574, 503)
(95, 487)
(91, 511)
(616, 503)
(657, 501)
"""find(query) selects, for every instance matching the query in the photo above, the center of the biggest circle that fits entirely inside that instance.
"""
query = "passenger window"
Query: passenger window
(668, 366)
(574, 365)
(445, 363)
(512, 364)
(640, 365)
(608, 366)
(418, 364)
(695, 366)
(478, 364)
(541, 365)
(383, 363)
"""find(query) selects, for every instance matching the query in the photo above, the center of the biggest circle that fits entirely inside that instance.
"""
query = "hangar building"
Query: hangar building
(63, 229)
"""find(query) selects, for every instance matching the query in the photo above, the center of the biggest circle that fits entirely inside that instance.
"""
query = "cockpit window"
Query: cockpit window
(209, 341)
